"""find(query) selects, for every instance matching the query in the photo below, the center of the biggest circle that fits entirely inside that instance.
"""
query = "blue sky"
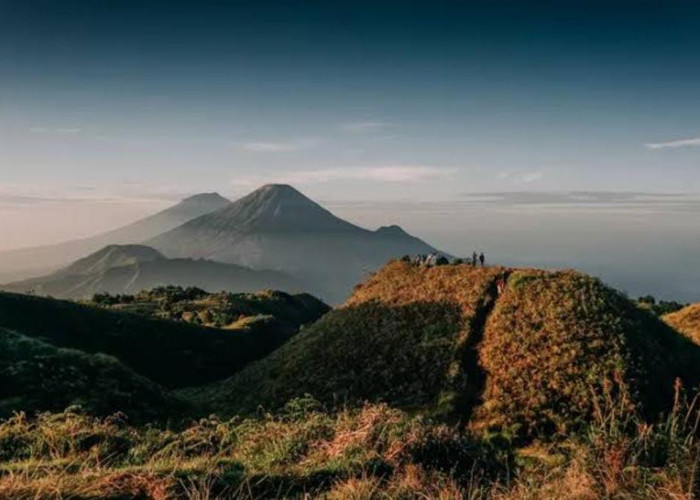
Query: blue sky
(129, 105)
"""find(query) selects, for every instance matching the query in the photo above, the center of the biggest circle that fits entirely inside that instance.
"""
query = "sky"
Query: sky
(110, 110)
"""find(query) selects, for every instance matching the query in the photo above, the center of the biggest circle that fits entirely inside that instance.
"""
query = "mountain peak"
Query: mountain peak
(392, 230)
(113, 256)
(211, 198)
(281, 191)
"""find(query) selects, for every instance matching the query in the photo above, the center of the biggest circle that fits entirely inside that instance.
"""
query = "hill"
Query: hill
(170, 353)
(277, 227)
(27, 262)
(36, 376)
(128, 269)
(520, 351)
(219, 310)
(686, 321)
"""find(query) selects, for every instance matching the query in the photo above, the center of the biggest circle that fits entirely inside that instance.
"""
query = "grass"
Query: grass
(530, 359)
(560, 343)
(686, 321)
(218, 310)
(430, 382)
(368, 452)
(36, 376)
(398, 340)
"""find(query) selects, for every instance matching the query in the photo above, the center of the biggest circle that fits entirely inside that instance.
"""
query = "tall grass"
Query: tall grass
(371, 452)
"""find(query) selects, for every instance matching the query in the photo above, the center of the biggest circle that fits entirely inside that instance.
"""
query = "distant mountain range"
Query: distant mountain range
(119, 269)
(277, 227)
(274, 237)
(28, 262)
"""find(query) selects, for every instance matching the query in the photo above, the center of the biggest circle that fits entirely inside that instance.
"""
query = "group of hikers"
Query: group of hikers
(436, 259)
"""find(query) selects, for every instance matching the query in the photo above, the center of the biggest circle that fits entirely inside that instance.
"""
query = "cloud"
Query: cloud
(506, 174)
(278, 146)
(389, 174)
(530, 177)
(56, 130)
(520, 177)
(680, 143)
(360, 127)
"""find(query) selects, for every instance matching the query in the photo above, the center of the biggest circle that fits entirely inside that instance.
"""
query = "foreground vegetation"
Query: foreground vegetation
(372, 451)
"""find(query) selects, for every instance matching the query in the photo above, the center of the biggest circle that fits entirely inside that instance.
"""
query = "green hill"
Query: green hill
(526, 351)
(220, 310)
(171, 353)
(36, 376)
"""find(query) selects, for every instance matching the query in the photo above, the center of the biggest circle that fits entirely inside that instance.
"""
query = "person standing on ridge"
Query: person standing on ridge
(482, 258)
(474, 257)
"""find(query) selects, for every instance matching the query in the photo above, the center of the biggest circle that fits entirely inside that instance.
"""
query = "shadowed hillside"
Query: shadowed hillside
(171, 353)
(36, 376)
(686, 321)
(524, 351)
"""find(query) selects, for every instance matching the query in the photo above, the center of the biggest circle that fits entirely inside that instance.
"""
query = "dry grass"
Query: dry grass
(374, 452)
(398, 340)
(686, 321)
(559, 345)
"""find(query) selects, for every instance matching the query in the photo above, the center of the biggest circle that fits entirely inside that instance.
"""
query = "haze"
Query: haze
(473, 125)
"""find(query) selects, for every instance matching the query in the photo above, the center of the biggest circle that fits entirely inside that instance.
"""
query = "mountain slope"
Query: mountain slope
(277, 227)
(522, 351)
(128, 269)
(36, 376)
(170, 353)
(686, 321)
(19, 264)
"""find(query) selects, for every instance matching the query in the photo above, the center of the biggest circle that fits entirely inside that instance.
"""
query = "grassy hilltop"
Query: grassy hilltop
(524, 351)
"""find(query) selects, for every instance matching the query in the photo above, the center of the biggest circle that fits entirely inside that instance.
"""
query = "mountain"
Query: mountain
(277, 227)
(170, 353)
(686, 321)
(522, 351)
(128, 269)
(112, 256)
(26, 262)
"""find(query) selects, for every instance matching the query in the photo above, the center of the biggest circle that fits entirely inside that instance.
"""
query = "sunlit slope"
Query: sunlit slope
(401, 338)
(521, 351)
(561, 348)
(37, 376)
(686, 321)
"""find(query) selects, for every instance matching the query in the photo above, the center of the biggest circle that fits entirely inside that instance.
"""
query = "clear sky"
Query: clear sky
(122, 106)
